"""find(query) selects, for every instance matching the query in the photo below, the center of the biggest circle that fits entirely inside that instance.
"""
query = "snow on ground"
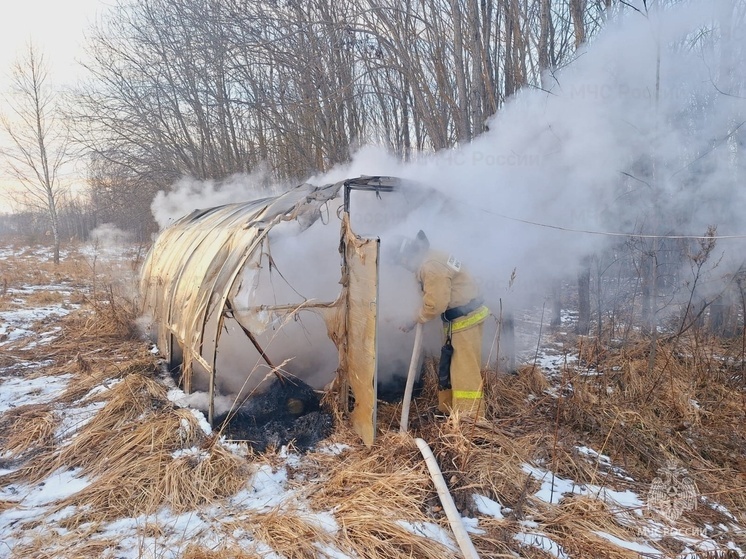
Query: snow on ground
(165, 534)
(19, 324)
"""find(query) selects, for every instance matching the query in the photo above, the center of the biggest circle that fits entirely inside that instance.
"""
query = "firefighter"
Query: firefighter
(449, 292)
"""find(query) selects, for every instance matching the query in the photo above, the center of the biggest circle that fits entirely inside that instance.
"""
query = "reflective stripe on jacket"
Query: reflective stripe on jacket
(471, 319)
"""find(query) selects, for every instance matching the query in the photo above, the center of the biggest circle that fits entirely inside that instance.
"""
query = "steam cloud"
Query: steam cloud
(640, 134)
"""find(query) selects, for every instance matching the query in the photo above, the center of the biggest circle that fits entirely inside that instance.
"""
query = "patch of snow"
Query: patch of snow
(602, 458)
(334, 448)
(325, 521)
(552, 486)
(186, 427)
(430, 531)
(471, 525)
(15, 391)
(542, 542)
(194, 452)
(75, 418)
(632, 546)
(720, 508)
(488, 507)
(267, 491)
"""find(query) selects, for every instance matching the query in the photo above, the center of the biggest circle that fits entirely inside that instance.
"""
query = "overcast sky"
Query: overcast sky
(57, 28)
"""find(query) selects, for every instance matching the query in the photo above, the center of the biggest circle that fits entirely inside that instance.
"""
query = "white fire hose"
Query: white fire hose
(404, 422)
(454, 517)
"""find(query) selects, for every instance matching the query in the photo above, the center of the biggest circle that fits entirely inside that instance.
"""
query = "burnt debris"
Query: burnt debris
(288, 411)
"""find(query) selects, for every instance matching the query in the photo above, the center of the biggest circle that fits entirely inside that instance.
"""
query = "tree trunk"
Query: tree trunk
(584, 298)
(556, 304)
(507, 343)
(577, 13)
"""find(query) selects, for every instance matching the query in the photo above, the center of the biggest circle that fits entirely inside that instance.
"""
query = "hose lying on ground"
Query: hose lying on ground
(454, 517)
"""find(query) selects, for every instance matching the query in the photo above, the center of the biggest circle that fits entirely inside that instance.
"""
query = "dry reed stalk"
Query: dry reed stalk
(140, 473)
(68, 546)
(28, 427)
(372, 492)
(192, 480)
(289, 534)
(193, 551)
(137, 420)
(94, 371)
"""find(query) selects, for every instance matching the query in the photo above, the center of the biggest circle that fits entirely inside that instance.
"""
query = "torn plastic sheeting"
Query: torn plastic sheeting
(193, 275)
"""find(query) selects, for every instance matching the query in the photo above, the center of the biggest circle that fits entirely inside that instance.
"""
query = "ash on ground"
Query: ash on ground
(289, 411)
(393, 389)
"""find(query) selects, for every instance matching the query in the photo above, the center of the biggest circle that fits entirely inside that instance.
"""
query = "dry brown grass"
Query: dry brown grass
(372, 492)
(193, 480)
(289, 533)
(56, 546)
(643, 418)
(133, 451)
(26, 268)
(27, 428)
(44, 298)
(194, 551)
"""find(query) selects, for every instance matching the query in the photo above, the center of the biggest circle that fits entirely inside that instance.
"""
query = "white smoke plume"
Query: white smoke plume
(641, 134)
(190, 194)
(109, 236)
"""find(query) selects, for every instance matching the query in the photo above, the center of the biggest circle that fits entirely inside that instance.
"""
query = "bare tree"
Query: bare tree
(39, 140)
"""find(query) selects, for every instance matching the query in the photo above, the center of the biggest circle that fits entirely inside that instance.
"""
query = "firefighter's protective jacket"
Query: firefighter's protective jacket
(445, 285)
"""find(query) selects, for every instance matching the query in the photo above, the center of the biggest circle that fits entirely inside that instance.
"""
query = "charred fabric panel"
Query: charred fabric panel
(358, 355)
(191, 272)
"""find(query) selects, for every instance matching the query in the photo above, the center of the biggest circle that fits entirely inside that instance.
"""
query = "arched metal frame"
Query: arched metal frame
(191, 271)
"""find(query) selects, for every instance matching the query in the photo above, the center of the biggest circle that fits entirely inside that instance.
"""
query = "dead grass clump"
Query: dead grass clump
(496, 541)
(137, 420)
(482, 458)
(27, 428)
(94, 370)
(140, 471)
(378, 496)
(112, 318)
(569, 463)
(574, 522)
(289, 535)
(44, 298)
(135, 396)
(193, 551)
(509, 396)
(55, 545)
(202, 476)
(531, 380)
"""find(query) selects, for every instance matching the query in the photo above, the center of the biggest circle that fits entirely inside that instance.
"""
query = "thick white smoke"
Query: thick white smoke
(640, 134)
(190, 194)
